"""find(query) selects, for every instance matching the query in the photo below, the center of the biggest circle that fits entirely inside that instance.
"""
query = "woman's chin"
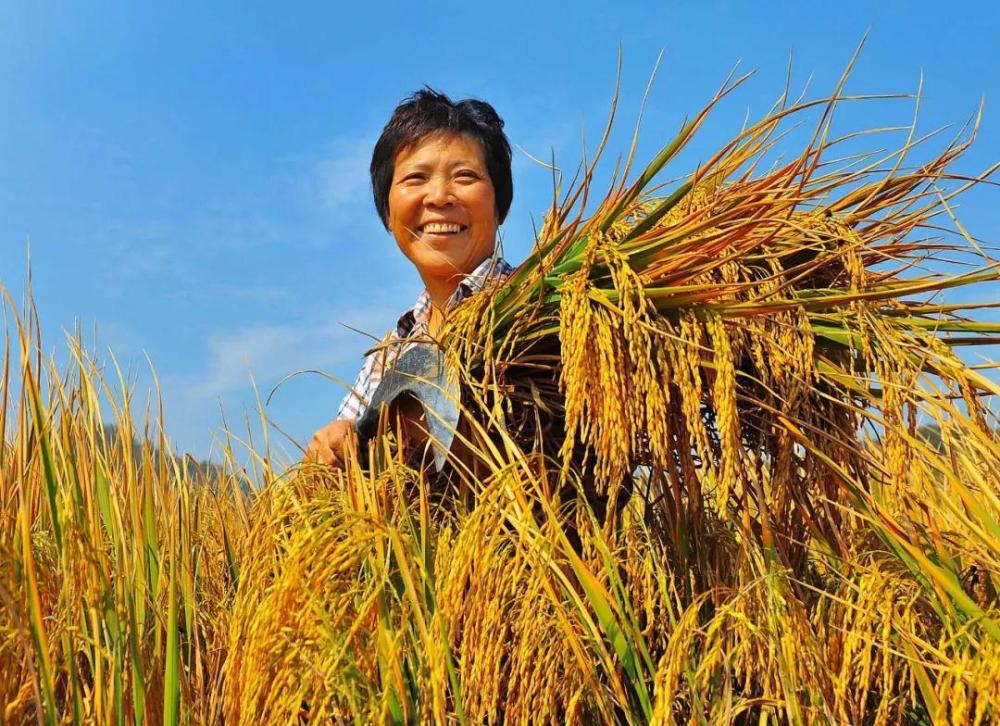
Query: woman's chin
(444, 243)
(442, 269)
(442, 257)
(444, 260)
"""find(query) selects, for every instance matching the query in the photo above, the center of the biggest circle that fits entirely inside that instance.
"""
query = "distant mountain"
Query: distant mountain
(196, 469)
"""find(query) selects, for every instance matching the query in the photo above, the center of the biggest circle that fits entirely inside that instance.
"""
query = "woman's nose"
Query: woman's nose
(439, 192)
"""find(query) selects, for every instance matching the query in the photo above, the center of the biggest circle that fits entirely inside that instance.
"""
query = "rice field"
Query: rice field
(719, 462)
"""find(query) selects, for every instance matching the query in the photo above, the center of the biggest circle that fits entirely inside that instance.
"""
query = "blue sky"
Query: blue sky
(193, 181)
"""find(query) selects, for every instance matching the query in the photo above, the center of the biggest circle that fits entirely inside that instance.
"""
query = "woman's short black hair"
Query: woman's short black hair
(428, 112)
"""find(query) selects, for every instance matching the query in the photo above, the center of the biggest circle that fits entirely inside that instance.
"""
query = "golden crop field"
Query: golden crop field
(719, 462)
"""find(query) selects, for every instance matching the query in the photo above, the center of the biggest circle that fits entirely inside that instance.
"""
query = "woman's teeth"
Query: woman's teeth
(441, 228)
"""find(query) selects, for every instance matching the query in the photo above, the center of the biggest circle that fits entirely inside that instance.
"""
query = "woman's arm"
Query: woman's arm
(327, 444)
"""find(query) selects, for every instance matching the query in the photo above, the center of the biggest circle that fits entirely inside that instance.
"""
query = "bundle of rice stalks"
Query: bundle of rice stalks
(748, 335)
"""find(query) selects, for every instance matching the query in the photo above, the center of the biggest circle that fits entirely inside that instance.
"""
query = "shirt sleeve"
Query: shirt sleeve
(357, 399)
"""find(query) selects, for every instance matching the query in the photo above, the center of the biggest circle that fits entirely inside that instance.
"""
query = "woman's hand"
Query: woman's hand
(329, 443)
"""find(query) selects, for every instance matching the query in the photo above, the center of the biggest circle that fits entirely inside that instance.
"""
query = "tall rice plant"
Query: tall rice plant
(113, 552)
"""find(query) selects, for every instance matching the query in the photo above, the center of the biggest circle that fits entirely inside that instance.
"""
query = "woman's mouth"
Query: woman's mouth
(444, 228)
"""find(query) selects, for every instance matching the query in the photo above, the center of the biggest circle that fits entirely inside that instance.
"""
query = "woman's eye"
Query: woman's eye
(468, 174)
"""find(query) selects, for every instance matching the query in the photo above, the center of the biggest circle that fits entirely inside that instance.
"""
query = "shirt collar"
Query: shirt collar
(419, 314)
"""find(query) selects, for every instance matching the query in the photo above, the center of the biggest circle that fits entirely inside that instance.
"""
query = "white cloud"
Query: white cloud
(268, 352)
(242, 293)
(340, 176)
(136, 250)
(196, 402)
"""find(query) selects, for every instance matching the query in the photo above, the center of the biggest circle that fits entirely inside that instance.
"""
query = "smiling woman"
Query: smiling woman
(442, 185)
(442, 210)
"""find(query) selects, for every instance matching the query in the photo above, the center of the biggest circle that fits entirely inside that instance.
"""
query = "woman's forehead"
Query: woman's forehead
(458, 148)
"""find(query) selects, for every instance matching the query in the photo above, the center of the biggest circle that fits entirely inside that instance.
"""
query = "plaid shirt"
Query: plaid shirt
(411, 325)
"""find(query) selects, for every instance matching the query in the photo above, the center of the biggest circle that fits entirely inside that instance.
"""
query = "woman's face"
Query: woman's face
(442, 208)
